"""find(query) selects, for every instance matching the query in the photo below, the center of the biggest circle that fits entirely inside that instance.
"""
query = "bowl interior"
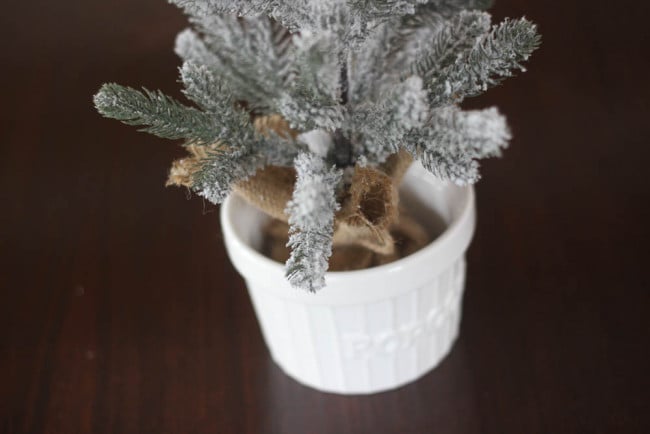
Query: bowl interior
(433, 203)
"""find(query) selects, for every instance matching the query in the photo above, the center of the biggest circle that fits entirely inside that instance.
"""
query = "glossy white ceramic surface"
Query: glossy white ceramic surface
(369, 330)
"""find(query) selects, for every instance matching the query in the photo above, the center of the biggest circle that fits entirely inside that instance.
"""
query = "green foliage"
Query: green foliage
(494, 57)
(157, 113)
(453, 37)
(382, 127)
(221, 169)
(449, 144)
(208, 92)
(311, 216)
(372, 76)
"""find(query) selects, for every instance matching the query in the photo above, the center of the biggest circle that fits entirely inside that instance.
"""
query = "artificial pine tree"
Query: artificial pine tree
(372, 79)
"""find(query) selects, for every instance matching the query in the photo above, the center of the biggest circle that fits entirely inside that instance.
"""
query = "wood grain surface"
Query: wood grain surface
(120, 313)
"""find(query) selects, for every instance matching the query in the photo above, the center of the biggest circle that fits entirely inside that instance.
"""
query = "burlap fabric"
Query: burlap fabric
(367, 224)
(409, 236)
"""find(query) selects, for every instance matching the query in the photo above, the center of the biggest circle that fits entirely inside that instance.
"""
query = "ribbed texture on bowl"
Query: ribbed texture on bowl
(369, 330)
(363, 348)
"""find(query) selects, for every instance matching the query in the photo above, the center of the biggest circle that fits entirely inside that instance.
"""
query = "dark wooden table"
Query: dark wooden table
(120, 313)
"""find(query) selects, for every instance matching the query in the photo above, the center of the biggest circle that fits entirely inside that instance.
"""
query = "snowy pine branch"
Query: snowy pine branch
(452, 140)
(355, 80)
(412, 43)
(383, 125)
(204, 88)
(311, 217)
(156, 113)
(368, 14)
(352, 20)
(219, 170)
(191, 48)
(315, 65)
(209, 93)
(448, 8)
(232, 149)
(294, 15)
(494, 57)
(247, 58)
(301, 15)
(313, 96)
(203, 8)
(378, 9)
(298, 77)
(451, 39)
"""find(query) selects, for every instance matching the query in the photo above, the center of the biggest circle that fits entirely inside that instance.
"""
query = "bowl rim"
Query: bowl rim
(447, 247)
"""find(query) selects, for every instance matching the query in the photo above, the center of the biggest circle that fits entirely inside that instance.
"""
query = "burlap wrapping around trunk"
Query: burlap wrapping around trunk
(367, 221)
(408, 234)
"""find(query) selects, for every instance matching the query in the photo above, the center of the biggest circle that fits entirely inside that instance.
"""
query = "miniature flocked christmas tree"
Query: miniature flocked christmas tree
(312, 109)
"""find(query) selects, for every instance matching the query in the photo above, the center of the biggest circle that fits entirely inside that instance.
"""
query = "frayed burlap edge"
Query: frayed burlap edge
(410, 236)
(368, 206)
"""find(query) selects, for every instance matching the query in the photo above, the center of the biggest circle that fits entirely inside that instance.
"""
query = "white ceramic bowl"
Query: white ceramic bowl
(370, 330)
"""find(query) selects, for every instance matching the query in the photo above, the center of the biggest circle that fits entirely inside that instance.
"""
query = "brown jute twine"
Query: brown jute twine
(367, 224)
